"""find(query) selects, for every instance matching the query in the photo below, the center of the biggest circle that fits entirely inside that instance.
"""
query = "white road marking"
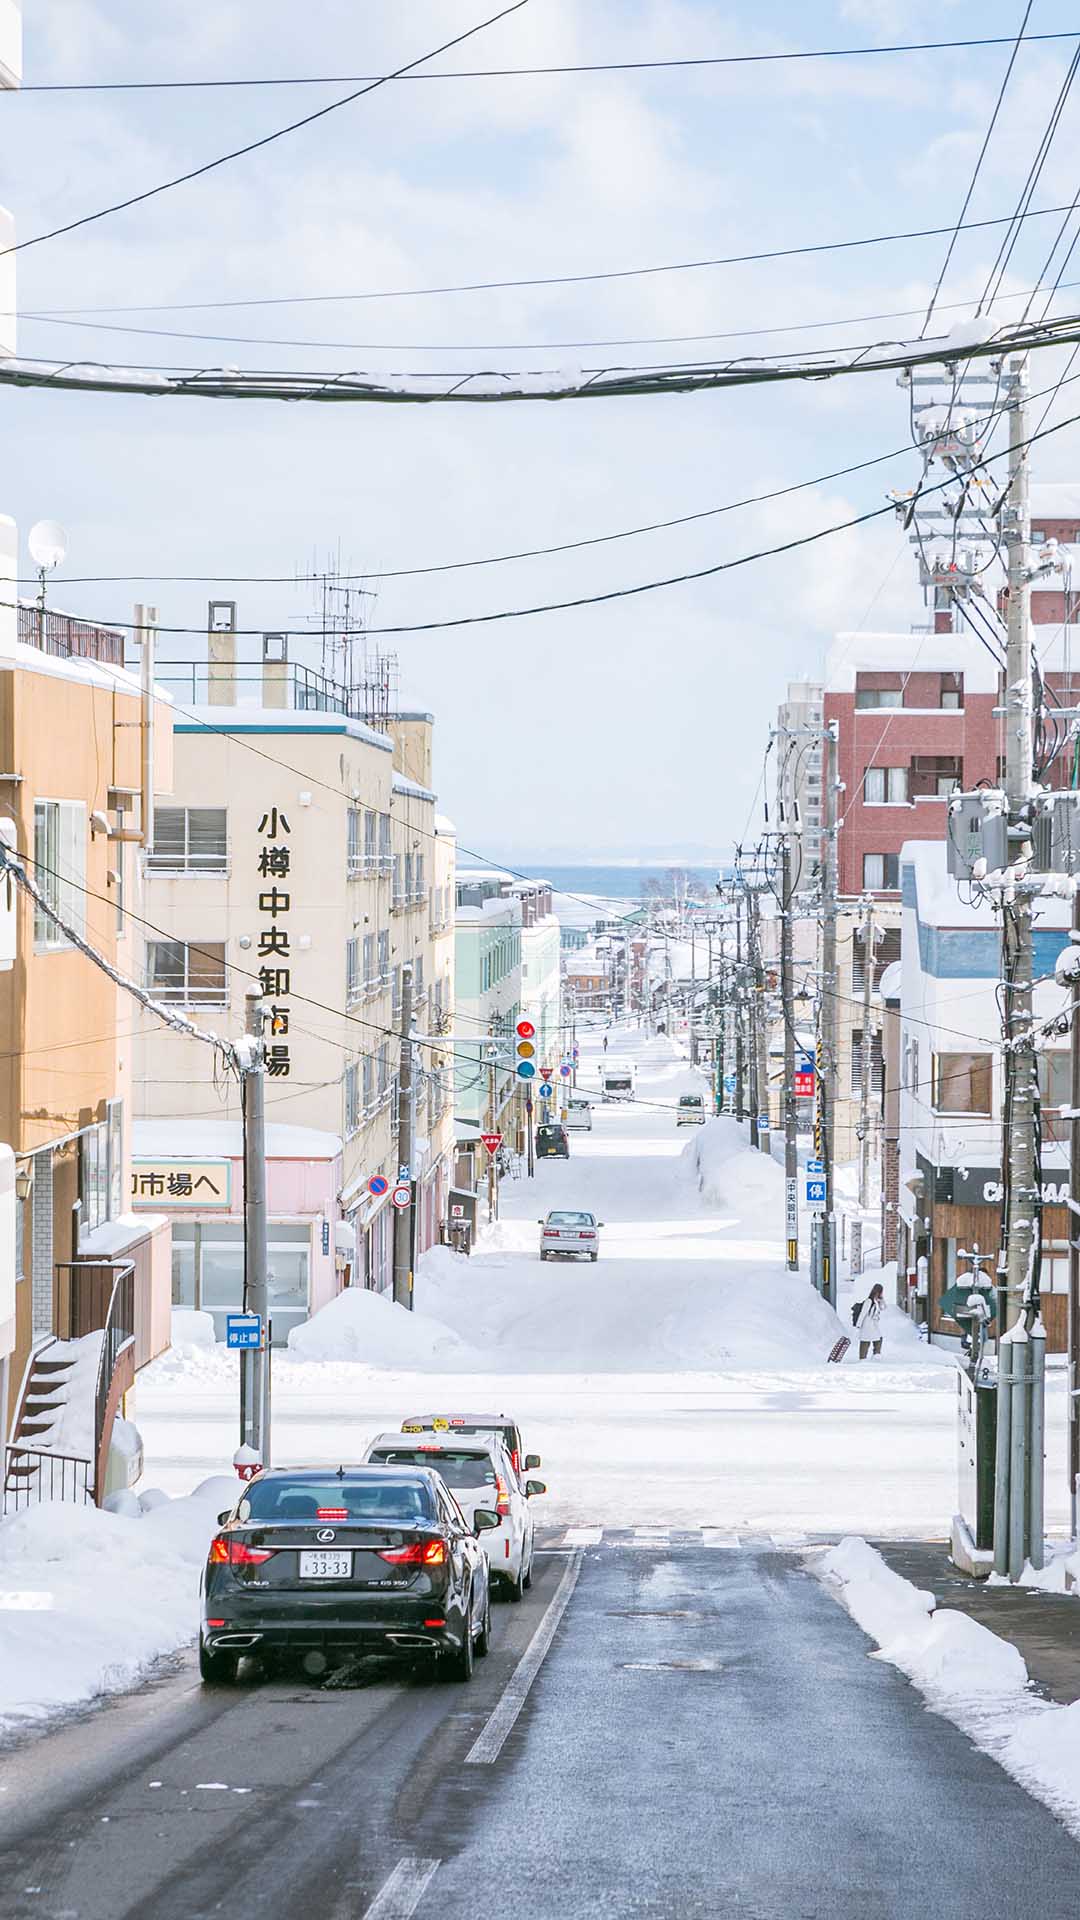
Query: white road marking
(400, 1895)
(582, 1536)
(490, 1740)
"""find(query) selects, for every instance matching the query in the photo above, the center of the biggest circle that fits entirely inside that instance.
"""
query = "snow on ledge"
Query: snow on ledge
(977, 1680)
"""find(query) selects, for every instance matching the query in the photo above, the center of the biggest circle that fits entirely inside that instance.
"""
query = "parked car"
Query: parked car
(456, 1423)
(569, 1233)
(332, 1564)
(479, 1472)
(552, 1143)
(578, 1116)
(690, 1111)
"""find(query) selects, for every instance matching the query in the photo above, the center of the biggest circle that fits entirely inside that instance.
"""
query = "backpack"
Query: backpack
(855, 1312)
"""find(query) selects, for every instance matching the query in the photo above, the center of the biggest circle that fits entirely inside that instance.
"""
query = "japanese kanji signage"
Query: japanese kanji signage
(275, 946)
(205, 1186)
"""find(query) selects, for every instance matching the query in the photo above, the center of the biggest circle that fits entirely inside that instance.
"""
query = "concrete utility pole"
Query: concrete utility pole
(827, 1069)
(721, 1034)
(740, 1012)
(403, 1216)
(492, 1127)
(1018, 1491)
(1073, 1414)
(791, 1148)
(255, 1364)
(866, 1086)
(759, 1135)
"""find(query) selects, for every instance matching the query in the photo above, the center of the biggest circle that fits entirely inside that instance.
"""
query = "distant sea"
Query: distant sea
(612, 883)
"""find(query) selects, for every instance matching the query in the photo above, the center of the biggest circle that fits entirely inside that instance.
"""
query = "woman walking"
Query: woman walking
(868, 1322)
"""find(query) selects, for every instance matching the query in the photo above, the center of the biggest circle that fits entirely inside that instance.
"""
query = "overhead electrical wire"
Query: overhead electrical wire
(266, 140)
(546, 280)
(617, 593)
(1020, 213)
(978, 167)
(690, 61)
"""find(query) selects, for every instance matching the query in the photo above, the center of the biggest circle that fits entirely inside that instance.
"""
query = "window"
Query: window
(963, 1082)
(886, 950)
(385, 850)
(952, 691)
(418, 977)
(114, 1121)
(120, 874)
(352, 971)
(1054, 1273)
(891, 696)
(93, 1178)
(384, 1070)
(352, 1099)
(886, 786)
(418, 877)
(395, 998)
(59, 869)
(935, 775)
(189, 840)
(398, 892)
(190, 976)
(877, 1079)
(371, 972)
(881, 872)
(384, 959)
(1055, 1086)
(369, 1083)
(354, 848)
(371, 827)
(409, 864)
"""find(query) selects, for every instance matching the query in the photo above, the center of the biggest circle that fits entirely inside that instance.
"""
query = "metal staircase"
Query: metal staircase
(72, 1391)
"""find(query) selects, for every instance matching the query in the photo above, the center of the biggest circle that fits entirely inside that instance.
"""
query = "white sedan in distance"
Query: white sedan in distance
(480, 1473)
(570, 1233)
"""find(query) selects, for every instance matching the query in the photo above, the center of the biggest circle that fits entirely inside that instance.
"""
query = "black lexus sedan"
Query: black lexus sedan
(330, 1563)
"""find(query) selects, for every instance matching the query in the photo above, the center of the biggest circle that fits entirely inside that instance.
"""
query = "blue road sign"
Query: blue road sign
(729, 1083)
(815, 1169)
(243, 1330)
(545, 1091)
(805, 1065)
(815, 1193)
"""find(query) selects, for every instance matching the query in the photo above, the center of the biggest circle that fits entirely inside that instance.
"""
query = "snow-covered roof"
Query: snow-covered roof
(853, 653)
(445, 826)
(401, 784)
(224, 720)
(1055, 500)
(89, 673)
(181, 1139)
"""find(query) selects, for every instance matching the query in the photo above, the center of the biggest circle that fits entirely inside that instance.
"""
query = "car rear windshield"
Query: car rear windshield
(457, 1469)
(570, 1220)
(689, 1099)
(384, 1501)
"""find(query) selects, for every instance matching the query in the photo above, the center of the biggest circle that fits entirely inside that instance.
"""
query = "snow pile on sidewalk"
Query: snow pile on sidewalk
(360, 1325)
(971, 1675)
(89, 1599)
(736, 1177)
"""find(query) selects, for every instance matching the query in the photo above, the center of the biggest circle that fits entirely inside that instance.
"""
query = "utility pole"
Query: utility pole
(1018, 1491)
(759, 1135)
(255, 1363)
(740, 1009)
(866, 1086)
(403, 1216)
(492, 1168)
(1073, 1409)
(827, 1075)
(791, 1148)
(721, 1034)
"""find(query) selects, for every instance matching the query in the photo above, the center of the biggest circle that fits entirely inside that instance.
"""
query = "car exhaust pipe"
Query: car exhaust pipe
(408, 1640)
(235, 1640)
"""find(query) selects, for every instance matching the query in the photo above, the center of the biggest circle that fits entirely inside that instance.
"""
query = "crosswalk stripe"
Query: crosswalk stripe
(582, 1537)
(657, 1539)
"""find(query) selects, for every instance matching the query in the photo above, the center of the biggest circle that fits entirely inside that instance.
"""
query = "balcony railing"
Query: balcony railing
(69, 638)
(32, 1476)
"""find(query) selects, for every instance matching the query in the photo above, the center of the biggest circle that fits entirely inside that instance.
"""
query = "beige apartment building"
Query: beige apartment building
(71, 737)
(297, 852)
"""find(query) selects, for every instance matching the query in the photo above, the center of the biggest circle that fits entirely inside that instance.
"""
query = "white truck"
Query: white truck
(617, 1080)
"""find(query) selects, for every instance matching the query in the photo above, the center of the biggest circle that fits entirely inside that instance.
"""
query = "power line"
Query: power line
(253, 146)
(978, 166)
(544, 280)
(503, 73)
(1012, 234)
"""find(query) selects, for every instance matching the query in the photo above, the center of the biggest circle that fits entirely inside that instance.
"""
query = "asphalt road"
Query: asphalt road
(705, 1737)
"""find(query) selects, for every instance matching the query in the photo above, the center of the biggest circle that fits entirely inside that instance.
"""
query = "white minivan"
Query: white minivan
(578, 1116)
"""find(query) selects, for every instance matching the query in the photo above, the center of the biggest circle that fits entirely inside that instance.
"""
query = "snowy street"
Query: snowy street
(678, 1382)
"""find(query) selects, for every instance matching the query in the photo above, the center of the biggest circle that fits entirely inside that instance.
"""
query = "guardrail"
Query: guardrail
(31, 1476)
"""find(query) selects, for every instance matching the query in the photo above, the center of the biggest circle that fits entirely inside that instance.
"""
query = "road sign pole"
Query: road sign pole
(403, 1239)
(255, 1414)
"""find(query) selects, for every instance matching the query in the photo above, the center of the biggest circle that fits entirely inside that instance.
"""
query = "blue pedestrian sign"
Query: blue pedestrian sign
(243, 1330)
(815, 1193)
(815, 1169)
(729, 1083)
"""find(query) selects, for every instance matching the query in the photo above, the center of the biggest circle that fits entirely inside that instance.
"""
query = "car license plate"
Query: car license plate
(325, 1566)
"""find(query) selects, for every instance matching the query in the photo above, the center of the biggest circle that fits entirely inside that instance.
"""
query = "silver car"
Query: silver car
(570, 1233)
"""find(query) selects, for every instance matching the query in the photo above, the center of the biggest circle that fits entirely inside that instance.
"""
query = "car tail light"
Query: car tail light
(215, 1623)
(331, 1513)
(419, 1553)
(502, 1495)
(589, 1235)
(434, 1623)
(234, 1553)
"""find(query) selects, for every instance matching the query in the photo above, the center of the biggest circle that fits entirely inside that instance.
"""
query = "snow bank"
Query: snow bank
(89, 1599)
(736, 1177)
(360, 1325)
(191, 1329)
(978, 1680)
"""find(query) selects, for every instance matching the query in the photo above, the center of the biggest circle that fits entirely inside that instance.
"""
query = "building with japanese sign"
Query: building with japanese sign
(296, 852)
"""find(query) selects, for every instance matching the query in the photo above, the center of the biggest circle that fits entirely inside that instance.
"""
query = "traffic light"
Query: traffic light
(525, 1050)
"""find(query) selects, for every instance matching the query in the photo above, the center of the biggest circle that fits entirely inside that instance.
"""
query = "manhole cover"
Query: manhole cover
(671, 1666)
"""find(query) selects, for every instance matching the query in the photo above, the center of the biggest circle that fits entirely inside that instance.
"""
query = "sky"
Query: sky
(614, 727)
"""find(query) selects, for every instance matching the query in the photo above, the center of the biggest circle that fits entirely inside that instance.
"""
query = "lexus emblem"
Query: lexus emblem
(326, 1533)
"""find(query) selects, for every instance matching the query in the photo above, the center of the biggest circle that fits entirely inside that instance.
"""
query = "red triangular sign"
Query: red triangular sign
(546, 1073)
(492, 1141)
